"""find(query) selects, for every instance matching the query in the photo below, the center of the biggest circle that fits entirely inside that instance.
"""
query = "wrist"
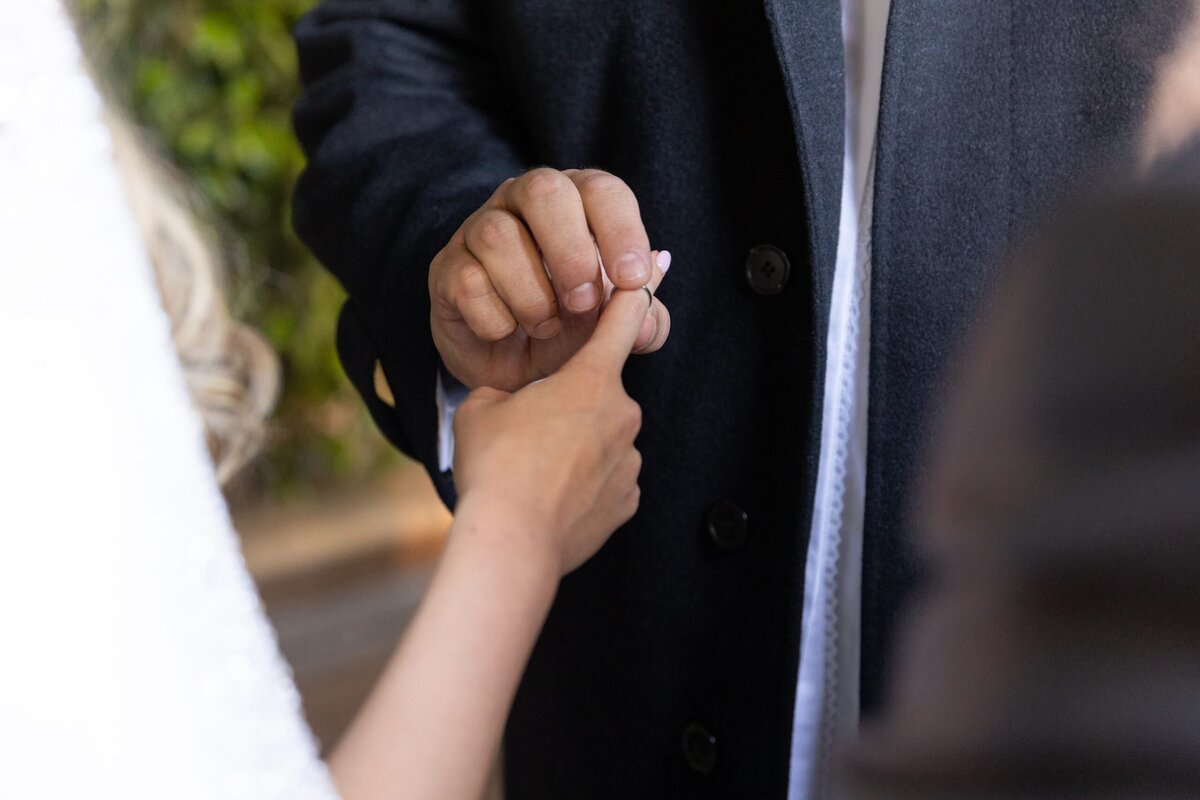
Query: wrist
(507, 539)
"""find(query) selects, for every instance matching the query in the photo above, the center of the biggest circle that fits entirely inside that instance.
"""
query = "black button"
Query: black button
(727, 526)
(767, 269)
(700, 748)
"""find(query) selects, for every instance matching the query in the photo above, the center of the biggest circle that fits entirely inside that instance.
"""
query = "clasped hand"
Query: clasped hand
(524, 291)
(519, 287)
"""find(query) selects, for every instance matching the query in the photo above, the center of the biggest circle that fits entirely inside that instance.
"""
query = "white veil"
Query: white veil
(135, 660)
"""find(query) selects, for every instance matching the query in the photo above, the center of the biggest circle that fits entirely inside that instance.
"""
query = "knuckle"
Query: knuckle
(437, 264)
(496, 230)
(441, 271)
(543, 184)
(473, 283)
(480, 306)
(603, 184)
(436, 279)
(634, 412)
(633, 501)
(632, 417)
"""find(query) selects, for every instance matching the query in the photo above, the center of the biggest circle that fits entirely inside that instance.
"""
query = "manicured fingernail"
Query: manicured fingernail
(663, 260)
(633, 267)
(548, 329)
(583, 298)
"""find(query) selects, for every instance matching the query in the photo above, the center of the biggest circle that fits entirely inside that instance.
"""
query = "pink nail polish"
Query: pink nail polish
(663, 260)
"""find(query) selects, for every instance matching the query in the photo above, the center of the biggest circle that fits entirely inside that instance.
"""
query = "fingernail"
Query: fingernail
(548, 329)
(582, 298)
(633, 267)
(664, 260)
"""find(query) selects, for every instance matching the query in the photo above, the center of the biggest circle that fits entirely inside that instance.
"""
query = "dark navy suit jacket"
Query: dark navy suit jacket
(726, 119)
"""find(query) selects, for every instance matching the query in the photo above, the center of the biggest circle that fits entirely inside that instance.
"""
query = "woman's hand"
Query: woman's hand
(552, 468)
(544, 476)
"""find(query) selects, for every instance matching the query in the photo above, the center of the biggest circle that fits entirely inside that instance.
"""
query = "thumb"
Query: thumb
(616, 331)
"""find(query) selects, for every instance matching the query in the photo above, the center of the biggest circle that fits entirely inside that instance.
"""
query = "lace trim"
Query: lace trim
(835, 519)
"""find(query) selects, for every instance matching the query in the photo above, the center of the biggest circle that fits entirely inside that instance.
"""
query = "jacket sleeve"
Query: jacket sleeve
(403, 121)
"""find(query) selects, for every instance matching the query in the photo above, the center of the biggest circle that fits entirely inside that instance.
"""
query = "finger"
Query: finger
(656, 328)
(632, 467)
(616, 331)
(657, 324)
(616, 223)
(470, 293)
(621, 491)
(625, 417)
(549, 204)
(629, 504)
(501, 243)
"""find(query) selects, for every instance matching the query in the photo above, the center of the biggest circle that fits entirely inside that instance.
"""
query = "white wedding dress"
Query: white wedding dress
(135, 660)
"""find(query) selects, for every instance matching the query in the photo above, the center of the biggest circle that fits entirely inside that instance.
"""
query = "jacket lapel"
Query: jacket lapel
(808, 43)
(943, 189)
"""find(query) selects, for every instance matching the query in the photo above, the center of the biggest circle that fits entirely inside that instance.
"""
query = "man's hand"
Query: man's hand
(518, 289)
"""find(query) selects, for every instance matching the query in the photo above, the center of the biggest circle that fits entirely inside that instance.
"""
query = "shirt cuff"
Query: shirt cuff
(450, 394)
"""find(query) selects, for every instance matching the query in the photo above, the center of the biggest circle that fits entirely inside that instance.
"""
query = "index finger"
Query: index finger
(548, 202)
(616, 331)
(616, 221)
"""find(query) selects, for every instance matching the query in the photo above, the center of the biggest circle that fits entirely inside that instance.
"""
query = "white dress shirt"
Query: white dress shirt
(826, 711)
(826, 708)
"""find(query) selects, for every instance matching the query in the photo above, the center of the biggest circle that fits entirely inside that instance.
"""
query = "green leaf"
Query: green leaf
(244, 95)
(197, 138)
(217, 40)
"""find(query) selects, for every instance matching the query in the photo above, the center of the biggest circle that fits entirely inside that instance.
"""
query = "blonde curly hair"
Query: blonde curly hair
(232, 374)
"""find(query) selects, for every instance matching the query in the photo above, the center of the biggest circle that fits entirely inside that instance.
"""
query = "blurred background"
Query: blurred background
(338, 528)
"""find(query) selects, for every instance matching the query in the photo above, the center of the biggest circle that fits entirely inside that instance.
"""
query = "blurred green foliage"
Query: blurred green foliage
(214, 82)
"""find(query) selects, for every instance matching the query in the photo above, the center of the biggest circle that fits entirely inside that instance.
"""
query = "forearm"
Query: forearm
(432, 726)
